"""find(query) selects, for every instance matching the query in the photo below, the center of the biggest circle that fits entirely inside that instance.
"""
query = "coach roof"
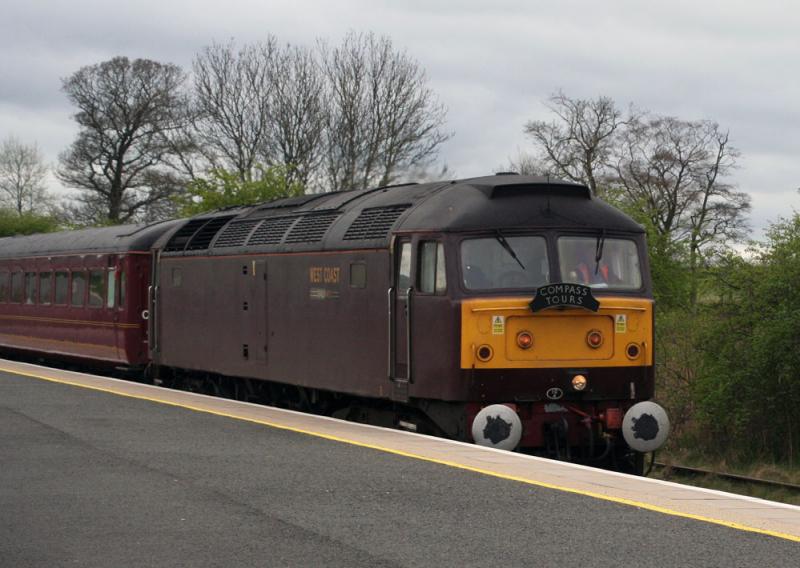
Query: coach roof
(121, 238)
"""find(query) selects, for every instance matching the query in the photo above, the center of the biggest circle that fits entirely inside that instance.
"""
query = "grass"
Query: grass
(762, 470)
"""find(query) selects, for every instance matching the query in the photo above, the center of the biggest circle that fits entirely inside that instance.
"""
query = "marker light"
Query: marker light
(485, 353)
(594, 338)
(525, 340)
(632, 351)
(579, 382)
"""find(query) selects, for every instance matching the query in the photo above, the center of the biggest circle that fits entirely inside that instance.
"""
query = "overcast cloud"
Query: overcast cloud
(492, 63)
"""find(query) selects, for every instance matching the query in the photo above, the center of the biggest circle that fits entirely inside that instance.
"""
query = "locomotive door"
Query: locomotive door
(260, 299)
(401, 299)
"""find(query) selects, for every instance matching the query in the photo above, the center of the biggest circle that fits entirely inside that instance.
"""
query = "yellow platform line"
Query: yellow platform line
(456, 465)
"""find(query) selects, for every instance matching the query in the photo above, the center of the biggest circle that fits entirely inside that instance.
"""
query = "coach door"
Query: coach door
(401, 298)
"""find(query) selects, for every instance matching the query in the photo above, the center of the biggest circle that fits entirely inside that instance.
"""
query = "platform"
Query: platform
(99, 472)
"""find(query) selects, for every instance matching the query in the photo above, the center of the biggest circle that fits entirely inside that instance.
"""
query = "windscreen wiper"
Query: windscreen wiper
(504, 243)
(598, 250)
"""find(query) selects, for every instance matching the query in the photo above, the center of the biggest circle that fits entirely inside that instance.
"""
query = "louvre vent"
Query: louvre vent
(271, 231)
(235, 234)
(182, 236)
(206, 234)
(374, 223)
(311, 228)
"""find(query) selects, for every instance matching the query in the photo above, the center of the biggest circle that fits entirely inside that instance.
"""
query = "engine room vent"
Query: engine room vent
(207, 232)
(311, 228)
(235, 234)
(271, 231)
(374, 223)
(178, 241)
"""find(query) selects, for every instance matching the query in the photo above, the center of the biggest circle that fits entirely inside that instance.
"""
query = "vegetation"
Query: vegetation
(12, 223)
(223, 189)
(727, 323)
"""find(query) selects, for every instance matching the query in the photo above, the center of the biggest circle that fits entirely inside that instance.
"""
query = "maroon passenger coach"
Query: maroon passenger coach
(78, 295)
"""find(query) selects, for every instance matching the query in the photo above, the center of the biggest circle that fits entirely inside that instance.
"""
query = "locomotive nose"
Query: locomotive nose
(645, 426)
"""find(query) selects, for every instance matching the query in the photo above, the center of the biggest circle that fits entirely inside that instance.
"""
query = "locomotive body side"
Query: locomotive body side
(370, 295)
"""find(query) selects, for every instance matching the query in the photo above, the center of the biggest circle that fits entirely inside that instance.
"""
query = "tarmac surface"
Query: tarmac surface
(91, 478)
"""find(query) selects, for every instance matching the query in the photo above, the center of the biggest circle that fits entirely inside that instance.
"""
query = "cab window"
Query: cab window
(404, 268)
(500, 262)
(599, 262)
(432, 277)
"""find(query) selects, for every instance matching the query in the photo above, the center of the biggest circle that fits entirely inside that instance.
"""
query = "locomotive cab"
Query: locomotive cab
(557, 334)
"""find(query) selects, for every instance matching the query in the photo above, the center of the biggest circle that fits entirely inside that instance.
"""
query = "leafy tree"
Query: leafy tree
(12, 223)
(223, 189)
(22, 176)
(747, 390)
(126, 109)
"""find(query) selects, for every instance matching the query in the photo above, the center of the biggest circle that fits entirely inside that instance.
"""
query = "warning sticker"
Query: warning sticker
(621, 323)
(498, 325)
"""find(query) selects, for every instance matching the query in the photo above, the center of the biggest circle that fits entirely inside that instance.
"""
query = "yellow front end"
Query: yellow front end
(561, 337)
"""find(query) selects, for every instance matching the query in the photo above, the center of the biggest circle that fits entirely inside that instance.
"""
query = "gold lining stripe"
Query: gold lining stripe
(71, 321)
(600, 496)
(57, 341)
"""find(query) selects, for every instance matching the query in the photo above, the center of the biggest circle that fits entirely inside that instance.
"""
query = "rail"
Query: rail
(696, 471)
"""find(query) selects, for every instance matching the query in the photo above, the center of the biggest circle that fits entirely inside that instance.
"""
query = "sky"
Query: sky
(492, 63)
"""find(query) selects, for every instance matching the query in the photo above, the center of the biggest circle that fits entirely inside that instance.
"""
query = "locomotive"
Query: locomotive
(512, 311)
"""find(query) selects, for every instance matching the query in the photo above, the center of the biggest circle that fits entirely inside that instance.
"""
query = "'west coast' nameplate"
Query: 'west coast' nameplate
(564, 295)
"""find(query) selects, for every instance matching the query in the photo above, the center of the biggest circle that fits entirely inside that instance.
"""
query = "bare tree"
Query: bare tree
(297, 114)
(232, 89)
(22, 176)
(578, 142)
(125, 111)
(382, 117)
(674, 172)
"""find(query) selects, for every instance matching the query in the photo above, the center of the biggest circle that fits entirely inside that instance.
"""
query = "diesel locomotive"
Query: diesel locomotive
(508, 310)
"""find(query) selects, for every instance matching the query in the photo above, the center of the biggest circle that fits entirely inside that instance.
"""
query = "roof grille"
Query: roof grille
(374, 223)
(311, 228)
(235, 234)
(207, 232)
(271, 231)
(178, 240)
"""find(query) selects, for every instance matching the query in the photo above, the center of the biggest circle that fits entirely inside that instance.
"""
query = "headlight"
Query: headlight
(579, 382)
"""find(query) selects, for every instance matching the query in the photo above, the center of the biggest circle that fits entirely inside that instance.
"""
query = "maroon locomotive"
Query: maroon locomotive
(407, 305)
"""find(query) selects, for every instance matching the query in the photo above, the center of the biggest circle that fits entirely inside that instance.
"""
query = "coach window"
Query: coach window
(111, 296)
(30, 288)
(3, 286)
(122, 289)
(78, 288)
(17, 290)
(45, 287)
(432, 279)
(96, 286)
(62, 288)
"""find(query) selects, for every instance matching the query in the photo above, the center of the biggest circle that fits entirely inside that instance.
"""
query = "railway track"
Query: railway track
(686, 471)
